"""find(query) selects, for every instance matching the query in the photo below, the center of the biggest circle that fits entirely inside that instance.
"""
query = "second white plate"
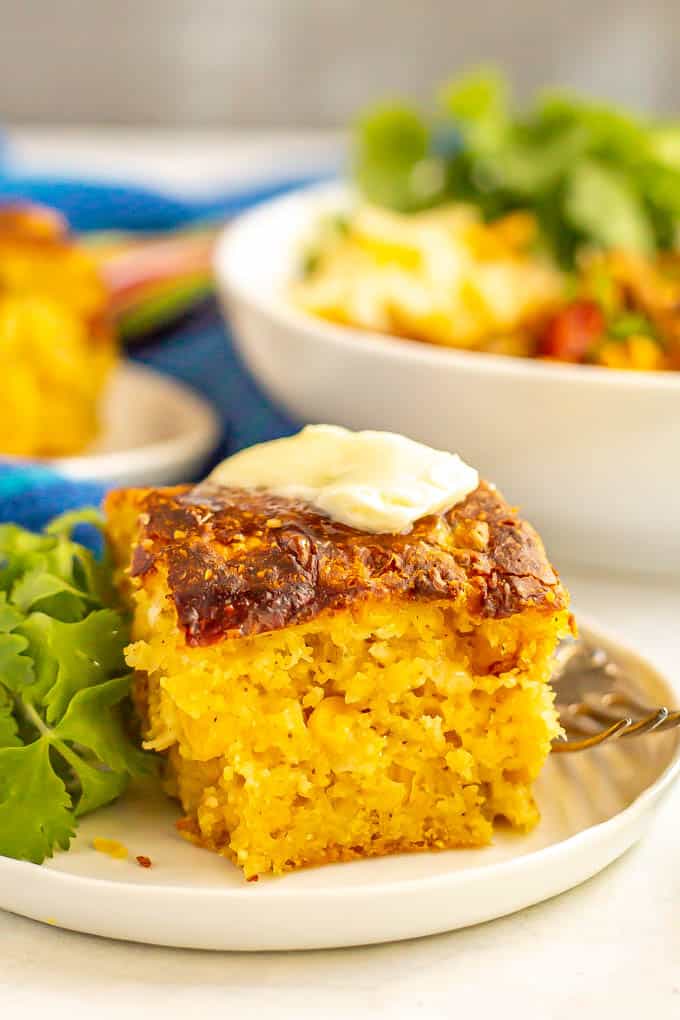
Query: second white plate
(155, 431)
(594, 806)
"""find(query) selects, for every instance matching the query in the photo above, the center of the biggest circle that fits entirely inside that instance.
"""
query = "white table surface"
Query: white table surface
(608, 949)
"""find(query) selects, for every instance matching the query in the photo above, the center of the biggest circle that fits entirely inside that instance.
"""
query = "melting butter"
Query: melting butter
(372, 481)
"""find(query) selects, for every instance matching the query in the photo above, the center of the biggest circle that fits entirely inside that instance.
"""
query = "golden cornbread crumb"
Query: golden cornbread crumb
(110, 847)
(57, 342)
(412, 743)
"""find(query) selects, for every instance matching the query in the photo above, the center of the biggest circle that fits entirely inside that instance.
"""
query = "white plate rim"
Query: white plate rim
(317, 197)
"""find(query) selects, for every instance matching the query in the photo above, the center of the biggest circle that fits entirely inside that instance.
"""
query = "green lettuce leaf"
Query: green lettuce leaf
(71, 656)
(392, 143)
(16, 668)
(601, 203)
(594, 175)
(65, 748)
(93, 720)
(35, 808)
(38, 588)
(479, 103)
(93, 785)
(16, 547)
(9, 728)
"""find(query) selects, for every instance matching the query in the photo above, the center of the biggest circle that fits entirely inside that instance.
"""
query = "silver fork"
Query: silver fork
(597, 701)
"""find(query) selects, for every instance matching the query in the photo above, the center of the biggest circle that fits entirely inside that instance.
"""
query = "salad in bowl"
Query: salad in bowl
(545, 234)
(501, 284)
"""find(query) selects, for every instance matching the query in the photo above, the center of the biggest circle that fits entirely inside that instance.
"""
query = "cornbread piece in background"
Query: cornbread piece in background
(323, 694)
(54, 333)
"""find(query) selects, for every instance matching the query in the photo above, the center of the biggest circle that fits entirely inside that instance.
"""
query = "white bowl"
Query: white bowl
(155, 431)
(591, 454)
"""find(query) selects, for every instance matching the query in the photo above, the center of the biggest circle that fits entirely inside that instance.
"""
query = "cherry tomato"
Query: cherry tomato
(572, 332)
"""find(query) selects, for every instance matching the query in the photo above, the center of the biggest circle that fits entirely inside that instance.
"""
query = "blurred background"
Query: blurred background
(313, 63)
(150, 123)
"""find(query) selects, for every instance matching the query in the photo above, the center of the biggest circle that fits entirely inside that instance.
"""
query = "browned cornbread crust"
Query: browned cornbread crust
(242, 562)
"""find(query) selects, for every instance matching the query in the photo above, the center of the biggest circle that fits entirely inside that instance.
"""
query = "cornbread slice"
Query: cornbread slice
(57, 340)
(323, 694)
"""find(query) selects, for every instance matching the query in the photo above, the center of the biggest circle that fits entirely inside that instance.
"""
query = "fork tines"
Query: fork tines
(596, 719)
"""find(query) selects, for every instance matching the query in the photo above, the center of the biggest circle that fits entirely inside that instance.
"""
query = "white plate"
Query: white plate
(155, 431)
(590, 453)
(594, 806)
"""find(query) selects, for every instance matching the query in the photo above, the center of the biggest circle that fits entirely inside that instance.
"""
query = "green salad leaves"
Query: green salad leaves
(592, 174)
(64, 745)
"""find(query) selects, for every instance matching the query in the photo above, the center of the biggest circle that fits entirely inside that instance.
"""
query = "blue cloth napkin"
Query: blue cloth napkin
(109, 205)
(199, 351)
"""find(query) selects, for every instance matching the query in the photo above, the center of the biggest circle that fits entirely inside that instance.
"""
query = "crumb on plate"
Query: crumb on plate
(111, 847)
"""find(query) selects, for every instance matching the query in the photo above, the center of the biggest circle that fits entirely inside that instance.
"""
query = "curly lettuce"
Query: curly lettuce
(592, 174)
(65, 746)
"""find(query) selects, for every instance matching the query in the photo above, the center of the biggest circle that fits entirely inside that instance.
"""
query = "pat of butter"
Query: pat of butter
(372, 481)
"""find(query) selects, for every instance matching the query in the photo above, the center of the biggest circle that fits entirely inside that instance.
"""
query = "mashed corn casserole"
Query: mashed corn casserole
(443, 276)
(446, 277)
(322, 694)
